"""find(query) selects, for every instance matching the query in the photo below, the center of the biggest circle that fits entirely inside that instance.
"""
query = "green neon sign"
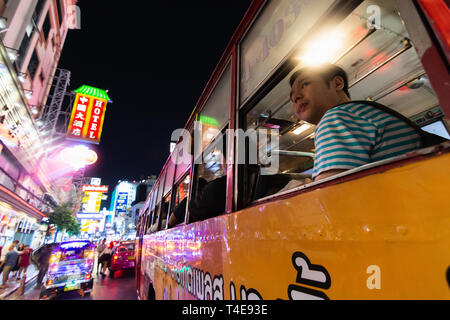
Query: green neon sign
(93, 92)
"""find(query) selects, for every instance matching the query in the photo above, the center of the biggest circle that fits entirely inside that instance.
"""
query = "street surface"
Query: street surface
(121, 287)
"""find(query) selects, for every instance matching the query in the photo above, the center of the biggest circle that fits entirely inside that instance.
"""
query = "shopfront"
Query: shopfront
(19, 220)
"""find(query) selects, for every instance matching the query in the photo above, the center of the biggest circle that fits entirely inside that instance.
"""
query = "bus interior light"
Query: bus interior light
(301, 129)
(322, 49)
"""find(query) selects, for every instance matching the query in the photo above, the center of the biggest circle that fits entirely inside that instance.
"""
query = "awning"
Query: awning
(19, 204)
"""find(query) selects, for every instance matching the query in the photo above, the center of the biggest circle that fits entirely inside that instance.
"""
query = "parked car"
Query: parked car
(123, 257)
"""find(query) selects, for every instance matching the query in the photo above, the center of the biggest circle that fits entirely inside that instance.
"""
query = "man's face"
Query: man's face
(311, 97)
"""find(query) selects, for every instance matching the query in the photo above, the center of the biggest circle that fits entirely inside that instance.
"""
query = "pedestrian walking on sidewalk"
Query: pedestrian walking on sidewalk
(24, 261)
(8, 263)
(5, 250)
(15, 269)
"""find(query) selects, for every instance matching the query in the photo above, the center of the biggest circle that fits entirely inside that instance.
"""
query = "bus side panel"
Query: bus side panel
(381, 236)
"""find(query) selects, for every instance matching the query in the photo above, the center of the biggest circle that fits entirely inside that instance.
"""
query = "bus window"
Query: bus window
(169, 176)
(273, 116)
(141, 222)
(154, 219)
(437, 128)
(163, 214)
(147, 222)
(178, 212)
(382, 66)
(209, 190)
(216, 112)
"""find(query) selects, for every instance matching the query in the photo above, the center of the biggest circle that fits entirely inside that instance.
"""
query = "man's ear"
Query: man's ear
(338, 83)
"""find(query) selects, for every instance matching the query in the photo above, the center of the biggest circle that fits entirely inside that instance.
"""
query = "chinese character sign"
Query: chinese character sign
(88, 114)
(96, 120)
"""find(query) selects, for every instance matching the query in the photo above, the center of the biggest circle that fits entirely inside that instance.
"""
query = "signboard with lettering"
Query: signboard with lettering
(94, 188)
(121, 203)
(96, 181)
(88, 114)
(93, 203)
(89, 215)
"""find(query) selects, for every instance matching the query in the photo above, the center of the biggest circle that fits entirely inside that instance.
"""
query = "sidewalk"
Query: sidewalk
(12, 285)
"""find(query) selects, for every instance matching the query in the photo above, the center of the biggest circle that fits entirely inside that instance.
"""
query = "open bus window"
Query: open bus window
(209, 190)
(163, 214)
(295, 150)
(437, 128)
(382, 66)
(154, 219)
(178, 212)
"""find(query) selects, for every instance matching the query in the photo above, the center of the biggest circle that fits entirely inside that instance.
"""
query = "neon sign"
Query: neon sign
(88, 114)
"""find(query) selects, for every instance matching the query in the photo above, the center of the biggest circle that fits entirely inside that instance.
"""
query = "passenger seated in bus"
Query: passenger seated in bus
(177, 216)
(210, 202)
(348, 134)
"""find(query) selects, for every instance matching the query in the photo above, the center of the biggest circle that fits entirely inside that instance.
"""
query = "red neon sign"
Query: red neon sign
(77, 123)
(96, 120)
(88, 114)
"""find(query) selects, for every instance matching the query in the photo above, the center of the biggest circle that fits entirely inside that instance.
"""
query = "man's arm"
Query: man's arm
(173, 221)
(328, 173)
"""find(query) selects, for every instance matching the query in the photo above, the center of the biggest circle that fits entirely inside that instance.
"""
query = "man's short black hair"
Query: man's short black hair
(327, 72)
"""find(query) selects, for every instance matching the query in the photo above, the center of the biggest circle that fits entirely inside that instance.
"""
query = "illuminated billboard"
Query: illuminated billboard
(88, 114)
(121, 203)
(87, 187)
(92, 205)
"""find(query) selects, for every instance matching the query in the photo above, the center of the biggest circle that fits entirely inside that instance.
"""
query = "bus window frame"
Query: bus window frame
(194, 171)
(175, 188)
(333, 16)
(160, 227)
(159, 196)
(147, 221)
(170, 167)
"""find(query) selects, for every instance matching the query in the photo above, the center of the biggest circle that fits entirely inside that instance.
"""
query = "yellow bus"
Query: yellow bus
(379, 231)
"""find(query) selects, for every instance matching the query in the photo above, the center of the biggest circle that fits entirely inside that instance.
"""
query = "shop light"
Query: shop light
(22, 76)
(28, 94)
(13, 56)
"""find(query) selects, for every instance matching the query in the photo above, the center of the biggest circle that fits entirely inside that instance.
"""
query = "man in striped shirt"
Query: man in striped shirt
(348, 134)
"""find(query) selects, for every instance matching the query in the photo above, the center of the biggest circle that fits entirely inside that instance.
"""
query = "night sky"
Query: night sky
(155, 58)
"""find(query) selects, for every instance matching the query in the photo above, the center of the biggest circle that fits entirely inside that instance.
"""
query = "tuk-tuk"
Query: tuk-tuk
(70, 268)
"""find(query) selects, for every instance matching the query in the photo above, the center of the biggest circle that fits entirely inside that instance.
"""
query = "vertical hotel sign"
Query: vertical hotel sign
(88, 114)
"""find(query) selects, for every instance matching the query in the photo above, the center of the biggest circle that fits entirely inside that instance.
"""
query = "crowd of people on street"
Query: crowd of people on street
(15, 258)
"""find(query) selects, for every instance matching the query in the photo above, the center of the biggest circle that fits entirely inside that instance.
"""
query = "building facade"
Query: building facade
(32, 34)
(142, 191)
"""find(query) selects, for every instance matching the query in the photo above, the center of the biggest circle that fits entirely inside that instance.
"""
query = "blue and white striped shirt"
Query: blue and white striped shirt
(353, 134)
